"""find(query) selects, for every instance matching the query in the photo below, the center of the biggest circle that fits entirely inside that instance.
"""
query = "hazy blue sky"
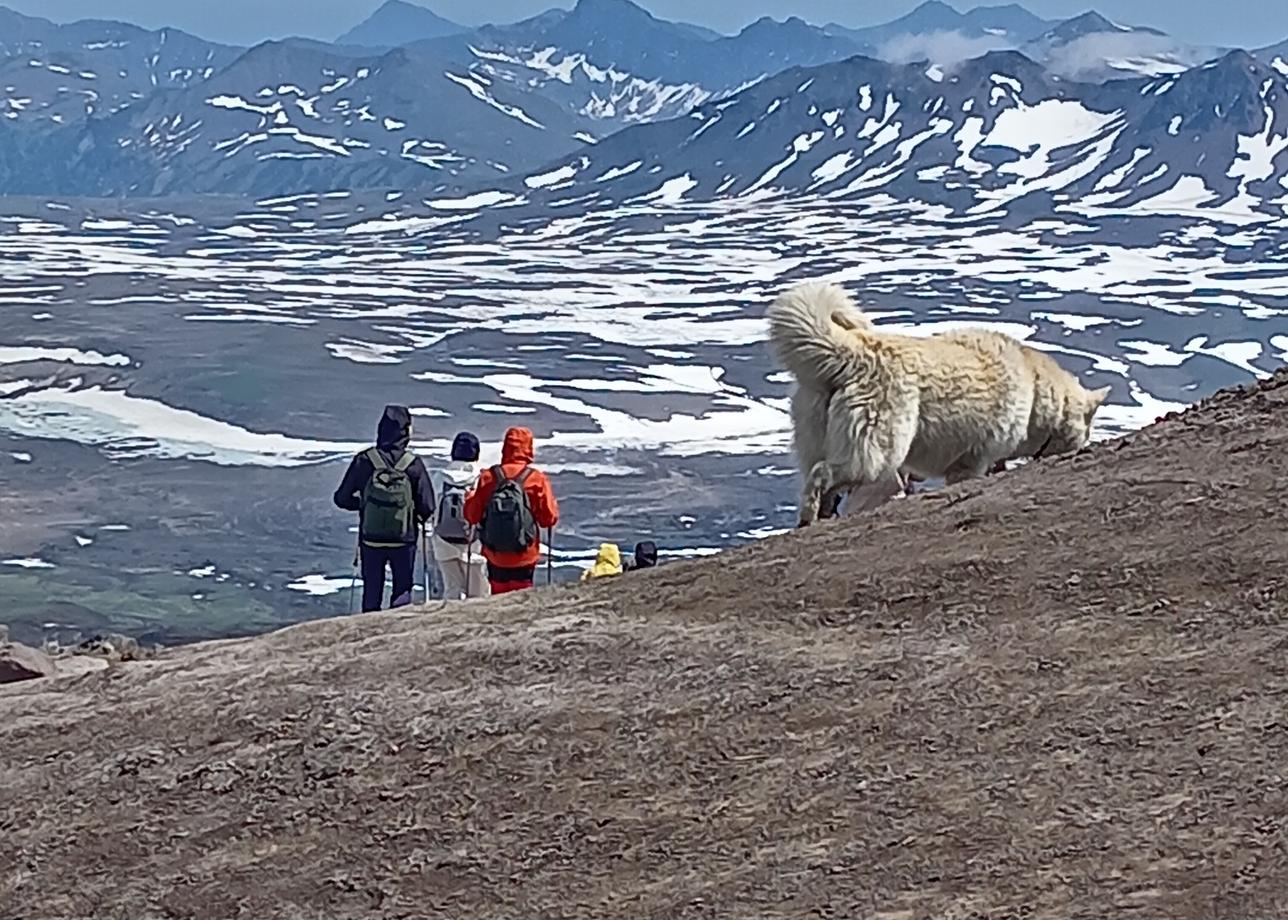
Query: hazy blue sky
(1250, 23)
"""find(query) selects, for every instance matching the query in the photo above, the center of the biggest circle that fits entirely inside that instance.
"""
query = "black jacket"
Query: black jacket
(392, 437)
(645, 556)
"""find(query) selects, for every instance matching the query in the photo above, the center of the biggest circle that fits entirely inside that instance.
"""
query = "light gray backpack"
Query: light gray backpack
(451, 526)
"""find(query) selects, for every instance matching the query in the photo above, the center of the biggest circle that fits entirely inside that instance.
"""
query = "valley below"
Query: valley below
(179, 395)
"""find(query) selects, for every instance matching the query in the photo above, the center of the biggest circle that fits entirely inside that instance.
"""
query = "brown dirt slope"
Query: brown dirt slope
(1059, 694)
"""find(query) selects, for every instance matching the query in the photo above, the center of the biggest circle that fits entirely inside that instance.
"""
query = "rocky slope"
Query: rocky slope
(1052, 694)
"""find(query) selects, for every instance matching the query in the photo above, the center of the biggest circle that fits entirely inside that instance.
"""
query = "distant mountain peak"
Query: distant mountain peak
(937, 7)
(613, 10)
(932, 14)
(611, 5)
(1006, 61)
(766, 23)
(398, 22)
(1009, 23)
(1002, 8)
(1091, 23)
(1237, 60)
(1011, 17)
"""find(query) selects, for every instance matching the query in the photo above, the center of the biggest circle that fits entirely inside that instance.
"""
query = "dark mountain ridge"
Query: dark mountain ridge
(109, 109)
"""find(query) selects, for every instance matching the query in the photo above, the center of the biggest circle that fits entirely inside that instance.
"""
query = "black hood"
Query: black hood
(645, 555)
(393, 434)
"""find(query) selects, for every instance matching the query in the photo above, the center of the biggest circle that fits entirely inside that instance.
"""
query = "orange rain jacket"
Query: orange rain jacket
(516, 454)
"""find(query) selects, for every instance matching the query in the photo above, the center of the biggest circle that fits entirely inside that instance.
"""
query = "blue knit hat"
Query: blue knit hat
(465, 447)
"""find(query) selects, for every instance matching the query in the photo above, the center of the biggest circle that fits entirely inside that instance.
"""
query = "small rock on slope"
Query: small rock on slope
(19, 662)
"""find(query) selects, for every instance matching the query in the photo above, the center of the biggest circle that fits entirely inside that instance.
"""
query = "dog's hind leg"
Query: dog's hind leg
(967, 467)
(818, 483)
(809, 434)
(824, 488)
(830, 506)
(864, 449)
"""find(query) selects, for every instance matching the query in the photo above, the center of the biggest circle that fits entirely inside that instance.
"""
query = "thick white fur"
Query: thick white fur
(869, 406)
(1063, 410)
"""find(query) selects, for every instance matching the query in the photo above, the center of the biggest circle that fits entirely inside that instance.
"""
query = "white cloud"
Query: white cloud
(1089, 55)
(943, 48)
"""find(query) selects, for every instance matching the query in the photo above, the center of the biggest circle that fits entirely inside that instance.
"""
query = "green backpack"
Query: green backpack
(388, 505)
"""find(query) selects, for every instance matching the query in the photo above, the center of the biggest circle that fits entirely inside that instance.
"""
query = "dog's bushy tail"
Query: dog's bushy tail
(812, 333)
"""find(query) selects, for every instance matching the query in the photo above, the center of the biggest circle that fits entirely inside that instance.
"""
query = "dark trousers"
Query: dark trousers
(401, 560)
(503, 581)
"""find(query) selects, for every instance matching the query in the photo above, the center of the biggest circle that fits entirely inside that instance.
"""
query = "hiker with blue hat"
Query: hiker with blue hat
(455, 542)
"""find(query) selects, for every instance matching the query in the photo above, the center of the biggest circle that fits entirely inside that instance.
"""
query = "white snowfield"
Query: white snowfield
(636, 328)
(128, 426)
(609, 93)
(15, 354)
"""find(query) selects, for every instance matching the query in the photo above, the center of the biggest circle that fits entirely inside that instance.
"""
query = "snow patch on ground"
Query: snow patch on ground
(319, 585)
(19, 354)
(672, 191)
(27, 563)
(618, 171)
(1076, 321)
(129, 426)
(474, 202)
(554, 177)
(1152, 354)
(479, 92)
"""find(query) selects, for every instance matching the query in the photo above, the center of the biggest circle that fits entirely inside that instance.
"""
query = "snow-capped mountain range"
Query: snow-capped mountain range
(106, 109)
(998, 133)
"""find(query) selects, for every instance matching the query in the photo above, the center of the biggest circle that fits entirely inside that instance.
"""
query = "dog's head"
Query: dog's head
(1073, 431)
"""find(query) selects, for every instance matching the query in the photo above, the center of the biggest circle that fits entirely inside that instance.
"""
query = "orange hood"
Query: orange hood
(517, 447)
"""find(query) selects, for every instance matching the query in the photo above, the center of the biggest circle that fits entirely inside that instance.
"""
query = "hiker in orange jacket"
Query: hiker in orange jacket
(513, 570)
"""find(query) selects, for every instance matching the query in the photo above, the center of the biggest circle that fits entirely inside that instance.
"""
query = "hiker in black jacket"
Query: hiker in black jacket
(390, 489)
(645, 556)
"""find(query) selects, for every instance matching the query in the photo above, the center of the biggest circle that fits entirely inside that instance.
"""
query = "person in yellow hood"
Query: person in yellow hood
(608, 563)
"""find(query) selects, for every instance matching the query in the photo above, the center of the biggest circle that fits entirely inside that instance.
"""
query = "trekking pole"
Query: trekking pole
(469, 566)
(424, 555)
(550, 556)
(353, 585)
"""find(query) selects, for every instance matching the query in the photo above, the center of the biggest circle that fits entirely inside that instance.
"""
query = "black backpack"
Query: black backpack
(508, 524)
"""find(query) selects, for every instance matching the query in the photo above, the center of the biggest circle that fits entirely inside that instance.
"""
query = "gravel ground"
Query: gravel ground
(1058, 693)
